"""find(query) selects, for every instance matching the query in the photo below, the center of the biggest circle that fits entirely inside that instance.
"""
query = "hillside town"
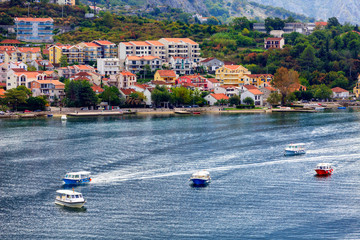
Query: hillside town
(170, 63)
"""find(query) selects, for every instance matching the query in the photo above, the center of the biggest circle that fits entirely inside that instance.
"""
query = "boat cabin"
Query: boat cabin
(69, 196)
(77, 175)
(324, 166)
(296, 146)
(201, 174)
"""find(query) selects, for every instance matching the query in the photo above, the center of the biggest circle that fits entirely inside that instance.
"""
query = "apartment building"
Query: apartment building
(135, 64)
(141, 48)
(181, 47)
(303, 28)
(277, 43)
(109, 66)
(108, 49)
(73, 53)
(91, 50)
(52, 89)
(20, 77)
(34, 29)
(258, 80)
(231, 74)
(123, 79)
(181, 65)
(260, 27)
(63, 2)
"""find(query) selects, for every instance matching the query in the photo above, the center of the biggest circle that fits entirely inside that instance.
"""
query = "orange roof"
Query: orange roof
(250, 87)
(258, 75)
(126, 73)
(29, 49)
(213, 80)
(139, 43)
(321, 23)
(57, 83)
(104, 42)
(126, 43)
(2, 93)
(10, 41)
(229, 86)
(338, 90)
(97, 88)
(28, 74)
(34, 19)
(232, 67)
(180, 40)
(143, 86)
(207, 60)
(81, 79)
(83, 67)
(219, 96)
(155, 43)
(7, 48)
(166, 73)
(255, 91)
(271, 89)
(90, 44)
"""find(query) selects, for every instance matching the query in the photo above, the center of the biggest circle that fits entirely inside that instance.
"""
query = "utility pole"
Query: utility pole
(28, 4)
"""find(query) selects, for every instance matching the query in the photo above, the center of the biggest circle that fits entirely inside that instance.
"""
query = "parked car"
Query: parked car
(38, 110)
(27, 111)
(2, 113)
(84, 108)
(195, 106)
(187, 106)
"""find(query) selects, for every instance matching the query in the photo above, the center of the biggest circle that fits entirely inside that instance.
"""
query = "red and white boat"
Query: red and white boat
(324, 169)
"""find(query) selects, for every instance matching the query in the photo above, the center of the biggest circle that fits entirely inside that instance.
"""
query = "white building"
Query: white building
(181, 47)
(340, 93)
(227, 90)
(34, 29)
(212, 98)
(136, 64)
(141, 48)
(181, 66)
(109, 66)
(255, 94)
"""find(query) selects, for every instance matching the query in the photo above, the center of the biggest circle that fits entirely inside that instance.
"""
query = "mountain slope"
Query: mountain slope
(344, 10)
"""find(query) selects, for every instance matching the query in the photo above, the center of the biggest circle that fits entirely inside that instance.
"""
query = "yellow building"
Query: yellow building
(258, 80)
(231, 74)
(168, 76)
(55, 54)
(356, 89)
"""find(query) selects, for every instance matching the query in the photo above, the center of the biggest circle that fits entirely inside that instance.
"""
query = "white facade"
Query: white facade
(181, 66)
(136, 64)
(227, 90)
(109, 66)
(181, 47)
(141, 48)
(256, 95)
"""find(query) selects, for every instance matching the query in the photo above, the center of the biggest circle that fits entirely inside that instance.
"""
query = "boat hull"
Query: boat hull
(74, 182)
(293, 153)
(70, 204)
(197, 181)
(322, 172)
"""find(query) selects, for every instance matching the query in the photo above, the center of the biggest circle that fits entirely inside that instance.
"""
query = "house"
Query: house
(231, 74)
(267, 91)
(21, 65)
(260, 27)
(73, 53)
(247, 87)
(168, 76)
(273, 42)
(42, 65)
(136, 64)
(125, 92)
(28, 54)
(228, 90)
(213, 98)
(356, 89)
(141, 48)
(302, 28)
(34, 29)
(180, 65)
(211, 64)
(63, 2)
(20, 77)
(91, 51)
(123, 79)
(10, 42)
(259, 80)
(340, 93)
(196, 81)
(255, 94)
(146, 90)
(97, 89)
(52, 89)
(212, 83)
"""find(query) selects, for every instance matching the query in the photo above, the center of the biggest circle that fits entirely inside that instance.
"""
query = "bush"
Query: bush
(244, 106)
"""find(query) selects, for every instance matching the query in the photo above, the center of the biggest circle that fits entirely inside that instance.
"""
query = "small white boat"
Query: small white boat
(295, 149)
(63, 118)
(68, 198)
(200, 178)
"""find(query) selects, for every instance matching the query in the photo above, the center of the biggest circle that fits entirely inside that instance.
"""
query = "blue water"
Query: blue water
(141, 167)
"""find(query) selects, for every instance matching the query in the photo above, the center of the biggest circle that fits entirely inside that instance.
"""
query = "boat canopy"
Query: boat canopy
(297, 145)
(68, 192)
(323, 166)
(202, 173)
(77, 175)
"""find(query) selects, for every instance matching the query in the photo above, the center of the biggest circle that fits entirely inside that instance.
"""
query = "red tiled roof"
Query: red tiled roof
(250, 87)
(166, 73)
(338, 90)
(30, 49)
(219, 96)
(232, 67)
(255, 91)
(2, 93)
(271, 89)
(179, 40)
(155, 43)
(83, 74)
(208, 59)
(90, 44)
(81, 79)
(10, 41)
(139, 43)
(7, 48)
(97, 88)
(104, 42)
(84, 67)
(213, 80)
(321, 24)
(258, 75)
(126, 73)
(127, 91)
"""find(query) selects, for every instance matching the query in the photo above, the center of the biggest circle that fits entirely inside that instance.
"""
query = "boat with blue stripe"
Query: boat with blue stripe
(200, 178)
(75, 178)
(295, 149)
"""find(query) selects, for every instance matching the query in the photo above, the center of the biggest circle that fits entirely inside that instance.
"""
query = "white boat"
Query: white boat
(200, 178)
(323, 169)
(68, 198)
(63, 117)
(295, 149)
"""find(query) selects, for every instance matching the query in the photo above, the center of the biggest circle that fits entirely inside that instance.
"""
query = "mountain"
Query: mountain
(343, 10)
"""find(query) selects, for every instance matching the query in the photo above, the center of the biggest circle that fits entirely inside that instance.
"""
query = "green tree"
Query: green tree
(64, 61)
(25, 89)
(111, 95)
(333, 22)
(322, 92)
(80, 94)
(307, 57)
(180, 96)
(248, 101)
(274, 98)
(108, 20)
(234, 100)
(285, 81)
(36, 103)
(15, 97)
(160, 95)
